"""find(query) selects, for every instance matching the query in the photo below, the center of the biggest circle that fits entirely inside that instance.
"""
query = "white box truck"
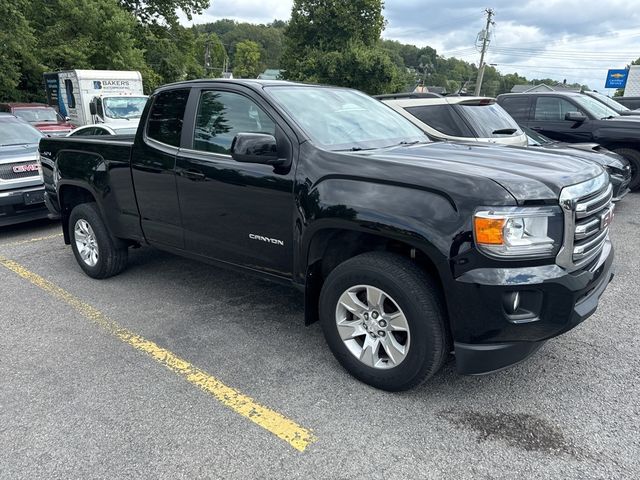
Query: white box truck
(86, 97)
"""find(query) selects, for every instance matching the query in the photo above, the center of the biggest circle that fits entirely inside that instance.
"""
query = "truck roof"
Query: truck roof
(103, 74)
(25, 105)
(250, 82)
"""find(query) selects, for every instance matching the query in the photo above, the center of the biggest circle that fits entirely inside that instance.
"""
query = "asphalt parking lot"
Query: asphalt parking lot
(175, 369)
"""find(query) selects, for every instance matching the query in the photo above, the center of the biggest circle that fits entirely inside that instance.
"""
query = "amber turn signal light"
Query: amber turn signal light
(489, 230)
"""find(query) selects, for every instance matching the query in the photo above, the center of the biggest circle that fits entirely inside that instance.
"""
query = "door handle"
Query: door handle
(193, 174)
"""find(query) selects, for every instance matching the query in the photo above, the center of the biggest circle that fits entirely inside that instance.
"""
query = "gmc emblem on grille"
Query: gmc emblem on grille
(606, 218)
(31, 167)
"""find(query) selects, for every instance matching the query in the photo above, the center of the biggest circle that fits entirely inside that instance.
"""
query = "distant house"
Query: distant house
(543, 87)
(270, 74)
(430, 89)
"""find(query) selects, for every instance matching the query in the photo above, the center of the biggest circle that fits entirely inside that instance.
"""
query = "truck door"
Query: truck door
(239, 213)
(549, 119)
(153, 162)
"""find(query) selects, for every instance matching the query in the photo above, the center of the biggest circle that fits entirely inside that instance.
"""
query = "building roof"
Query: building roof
(543, 87)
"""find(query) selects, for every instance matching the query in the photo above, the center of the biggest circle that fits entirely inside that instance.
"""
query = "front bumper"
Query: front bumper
(489, 338)
(22, 205)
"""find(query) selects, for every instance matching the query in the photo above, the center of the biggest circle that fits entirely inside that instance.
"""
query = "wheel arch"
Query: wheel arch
(71, 194)
(329, 247)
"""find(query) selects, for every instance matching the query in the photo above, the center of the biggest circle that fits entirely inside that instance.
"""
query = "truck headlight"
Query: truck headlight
(518, 232)
(39, 163)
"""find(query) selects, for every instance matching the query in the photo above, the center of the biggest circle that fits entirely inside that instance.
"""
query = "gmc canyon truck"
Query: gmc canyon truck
(405, 249)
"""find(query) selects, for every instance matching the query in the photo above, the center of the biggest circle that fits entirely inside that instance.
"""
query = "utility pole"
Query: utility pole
(485, 44)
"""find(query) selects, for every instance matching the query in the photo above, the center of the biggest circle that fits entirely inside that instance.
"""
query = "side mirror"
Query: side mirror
(256, 148)
(92, 108)
(67, 118)
(574, 117)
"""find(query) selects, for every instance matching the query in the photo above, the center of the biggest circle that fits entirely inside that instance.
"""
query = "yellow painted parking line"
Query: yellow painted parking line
(282, 427)
(31, 240)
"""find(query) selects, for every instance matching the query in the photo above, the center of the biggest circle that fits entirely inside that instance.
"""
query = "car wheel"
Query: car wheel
(384, 321)
(96, 251)
(633, 156)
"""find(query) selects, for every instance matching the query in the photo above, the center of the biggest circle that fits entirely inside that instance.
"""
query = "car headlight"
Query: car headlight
(518, 232)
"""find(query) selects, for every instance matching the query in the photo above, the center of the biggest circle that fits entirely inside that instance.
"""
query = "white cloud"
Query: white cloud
(561, 39)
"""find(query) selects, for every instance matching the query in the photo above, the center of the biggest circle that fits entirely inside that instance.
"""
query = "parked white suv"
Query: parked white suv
(458, 118)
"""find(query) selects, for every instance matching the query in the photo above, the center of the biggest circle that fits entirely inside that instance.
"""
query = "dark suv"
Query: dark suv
(575, 117)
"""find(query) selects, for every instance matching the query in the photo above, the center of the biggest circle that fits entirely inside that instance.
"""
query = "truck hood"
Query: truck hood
(18, 153)
(48, 127)
(525, 173)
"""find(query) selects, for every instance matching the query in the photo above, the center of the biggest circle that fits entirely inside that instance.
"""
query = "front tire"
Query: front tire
(633, 156)
(383, 319)
(96, 251)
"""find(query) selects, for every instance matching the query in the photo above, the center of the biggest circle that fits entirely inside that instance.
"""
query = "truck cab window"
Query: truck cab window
(553, 109)
(99, 109)
(165, 119)
(222, 115)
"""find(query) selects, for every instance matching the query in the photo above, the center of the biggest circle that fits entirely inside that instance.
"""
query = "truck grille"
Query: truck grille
(7, 173)
(588, 209)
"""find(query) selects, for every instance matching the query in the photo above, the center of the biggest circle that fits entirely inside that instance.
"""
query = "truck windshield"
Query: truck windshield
(124, 107)
(595, 108)
(609, 102)
(16, 132)
(343, 119)
(36, 115)
(488, 118)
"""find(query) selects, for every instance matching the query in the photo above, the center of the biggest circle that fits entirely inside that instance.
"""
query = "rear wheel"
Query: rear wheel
(383, 320)
(633, 156)
(96, 251)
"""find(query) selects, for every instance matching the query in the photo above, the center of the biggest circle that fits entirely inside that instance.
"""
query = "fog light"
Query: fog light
(511, 302)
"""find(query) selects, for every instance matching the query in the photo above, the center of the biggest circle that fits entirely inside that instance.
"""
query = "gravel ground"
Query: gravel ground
(76, 402)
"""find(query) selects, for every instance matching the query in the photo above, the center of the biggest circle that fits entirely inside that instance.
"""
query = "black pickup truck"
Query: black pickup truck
(405, 249)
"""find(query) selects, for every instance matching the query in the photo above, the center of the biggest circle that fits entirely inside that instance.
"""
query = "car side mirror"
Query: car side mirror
(574, 117)
(67, 118)
(92, 108)
(256, 148)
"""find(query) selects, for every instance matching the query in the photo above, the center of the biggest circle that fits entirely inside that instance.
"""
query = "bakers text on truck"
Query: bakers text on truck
(405, 250)
(87, 97)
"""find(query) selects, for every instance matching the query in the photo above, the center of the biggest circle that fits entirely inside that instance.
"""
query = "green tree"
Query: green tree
(338, 42)
(159, 11)
(247, 60)
(17, 41)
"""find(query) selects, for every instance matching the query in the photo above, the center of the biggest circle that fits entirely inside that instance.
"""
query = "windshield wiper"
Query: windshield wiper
(504, 131)
(608, 118)
(14, 144)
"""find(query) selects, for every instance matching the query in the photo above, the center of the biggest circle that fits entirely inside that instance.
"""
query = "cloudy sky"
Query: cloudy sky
(576, 40)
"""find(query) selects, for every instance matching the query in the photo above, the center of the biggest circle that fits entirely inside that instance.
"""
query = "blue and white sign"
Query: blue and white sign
(616, 79)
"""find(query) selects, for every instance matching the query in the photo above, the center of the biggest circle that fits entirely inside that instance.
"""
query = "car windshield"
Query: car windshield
(594, 107)
(126, 131)
(610, 102)
(488, 119)
(536, 139)
(36, 115)
(16, 132)
(343, 119)
(124, 107)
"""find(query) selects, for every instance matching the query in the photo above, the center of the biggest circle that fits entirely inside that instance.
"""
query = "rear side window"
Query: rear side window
(518, 107)
(165, 118)
(441, 117)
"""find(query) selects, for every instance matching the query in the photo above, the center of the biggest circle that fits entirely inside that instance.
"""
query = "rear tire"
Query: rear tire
(96, 251)
(633, 156)
(352, 310)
